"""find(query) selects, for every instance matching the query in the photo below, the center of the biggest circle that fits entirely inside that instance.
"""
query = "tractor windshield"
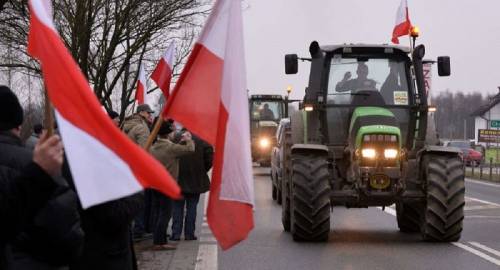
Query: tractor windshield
(349, 76)
(377, 81)
(261, 110)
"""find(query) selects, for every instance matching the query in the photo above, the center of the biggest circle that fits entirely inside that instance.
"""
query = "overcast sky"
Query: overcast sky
(468, 31)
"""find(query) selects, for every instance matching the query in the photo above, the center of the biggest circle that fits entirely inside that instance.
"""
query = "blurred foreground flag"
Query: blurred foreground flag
(162, 75)
(141, 91)
(403, 24)
(105, 164)
(210, 99)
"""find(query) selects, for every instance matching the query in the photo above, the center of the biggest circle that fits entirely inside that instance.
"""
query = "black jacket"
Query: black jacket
(193, 168)
(44, 231)
(108, 243)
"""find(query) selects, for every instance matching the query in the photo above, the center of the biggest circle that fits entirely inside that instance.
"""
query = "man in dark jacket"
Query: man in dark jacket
(40, 226)
(108, 237)
(193, 180)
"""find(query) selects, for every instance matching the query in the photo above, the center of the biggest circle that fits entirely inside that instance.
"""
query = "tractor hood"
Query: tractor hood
(372, 120)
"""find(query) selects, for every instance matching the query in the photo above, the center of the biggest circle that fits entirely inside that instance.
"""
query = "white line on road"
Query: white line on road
(482, 201)
(478, 253)
(207, 253)
(391, 211)
(485, 248)
(485, 217)
(207, 258)
(482, 183)
(480, 207)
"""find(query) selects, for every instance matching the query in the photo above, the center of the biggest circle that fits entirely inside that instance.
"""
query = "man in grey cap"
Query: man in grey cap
(137, 126)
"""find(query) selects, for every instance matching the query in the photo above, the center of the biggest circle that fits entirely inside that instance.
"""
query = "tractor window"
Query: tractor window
(266, 110)
(351, 75)
(351, 78)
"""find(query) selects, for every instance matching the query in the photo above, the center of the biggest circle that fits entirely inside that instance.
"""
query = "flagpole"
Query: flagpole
(49, 116)
(154, 132)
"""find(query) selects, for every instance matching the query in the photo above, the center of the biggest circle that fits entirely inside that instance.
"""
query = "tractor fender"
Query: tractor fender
(310, 148)
(436, 149)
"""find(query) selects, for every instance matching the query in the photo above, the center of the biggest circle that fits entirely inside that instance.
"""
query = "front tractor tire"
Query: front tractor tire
(444, 210)
(310, 198)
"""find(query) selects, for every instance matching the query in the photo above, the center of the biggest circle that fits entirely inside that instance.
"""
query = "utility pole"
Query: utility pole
(465, 129)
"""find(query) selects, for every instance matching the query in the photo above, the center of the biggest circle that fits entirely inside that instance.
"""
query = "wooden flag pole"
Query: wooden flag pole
(154, 132)
(49, 115)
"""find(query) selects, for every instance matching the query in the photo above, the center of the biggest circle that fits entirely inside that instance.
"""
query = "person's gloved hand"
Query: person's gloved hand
(48, 154)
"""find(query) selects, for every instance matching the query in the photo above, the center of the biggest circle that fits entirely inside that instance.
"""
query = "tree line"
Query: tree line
(453, 116)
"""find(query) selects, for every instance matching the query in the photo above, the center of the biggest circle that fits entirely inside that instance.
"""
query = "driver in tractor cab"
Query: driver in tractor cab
(266, 113)
(360, 83)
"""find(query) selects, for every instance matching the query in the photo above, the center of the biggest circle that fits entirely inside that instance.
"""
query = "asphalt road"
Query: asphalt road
(368, 238)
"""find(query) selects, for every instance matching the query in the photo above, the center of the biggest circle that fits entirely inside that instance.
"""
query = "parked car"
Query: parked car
(470, 156)
(277, 158)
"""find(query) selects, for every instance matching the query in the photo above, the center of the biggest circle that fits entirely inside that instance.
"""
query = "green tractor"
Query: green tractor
(361, 141)
(265, 113)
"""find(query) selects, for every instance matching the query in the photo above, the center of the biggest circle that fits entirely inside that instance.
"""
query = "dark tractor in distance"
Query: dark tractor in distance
(359, 140)
(265, 113)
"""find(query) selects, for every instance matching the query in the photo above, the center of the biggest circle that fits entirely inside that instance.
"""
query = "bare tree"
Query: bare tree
(109, 39)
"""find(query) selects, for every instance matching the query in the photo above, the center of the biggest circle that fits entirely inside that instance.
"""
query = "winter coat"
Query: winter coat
(108, 242)
(137, 129)
(168, 154)
(21, 193)
(49, 234)
(193, 168)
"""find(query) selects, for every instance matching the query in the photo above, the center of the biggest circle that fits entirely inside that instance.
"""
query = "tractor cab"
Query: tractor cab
(265, 113)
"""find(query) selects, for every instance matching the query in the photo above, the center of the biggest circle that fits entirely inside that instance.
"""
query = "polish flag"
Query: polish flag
(210, 99)
(162, 75)
(141, 91)
(105, 164)
(403, 24)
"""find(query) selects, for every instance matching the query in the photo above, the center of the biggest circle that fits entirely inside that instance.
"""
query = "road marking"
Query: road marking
(207, 252)
(480, 207)
(482, 201)
(477, 253)
(485, 217)
(485, 248)
(392, 211)
(482, 183)
(389, 209)
(207, 258)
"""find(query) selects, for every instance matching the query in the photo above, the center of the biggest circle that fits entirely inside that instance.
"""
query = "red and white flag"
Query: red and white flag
(403, 24)
(105, 164)
(162, 75)
(142, 87)
(210, 99)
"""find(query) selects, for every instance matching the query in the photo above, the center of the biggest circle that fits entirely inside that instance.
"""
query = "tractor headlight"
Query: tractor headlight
(368, 153)
(390, 153)
(264, 143)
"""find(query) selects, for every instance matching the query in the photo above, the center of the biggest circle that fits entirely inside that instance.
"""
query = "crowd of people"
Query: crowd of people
(43, 224)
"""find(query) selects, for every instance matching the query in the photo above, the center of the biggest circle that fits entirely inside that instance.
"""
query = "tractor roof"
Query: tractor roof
(331, 48)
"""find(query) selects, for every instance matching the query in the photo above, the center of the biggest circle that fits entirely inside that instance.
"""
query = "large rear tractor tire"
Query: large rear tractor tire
(444, 210)
(310, 198)
(409, 217)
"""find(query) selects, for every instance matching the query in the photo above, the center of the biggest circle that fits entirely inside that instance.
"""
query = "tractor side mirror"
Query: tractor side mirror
(444, 68)
(291, 64)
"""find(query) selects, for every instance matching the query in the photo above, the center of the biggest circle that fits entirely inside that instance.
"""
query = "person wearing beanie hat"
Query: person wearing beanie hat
(168, 153)
(11, 112)
(28, 182)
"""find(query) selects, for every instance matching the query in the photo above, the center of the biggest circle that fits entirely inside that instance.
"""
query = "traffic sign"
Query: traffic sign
(495, 123)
